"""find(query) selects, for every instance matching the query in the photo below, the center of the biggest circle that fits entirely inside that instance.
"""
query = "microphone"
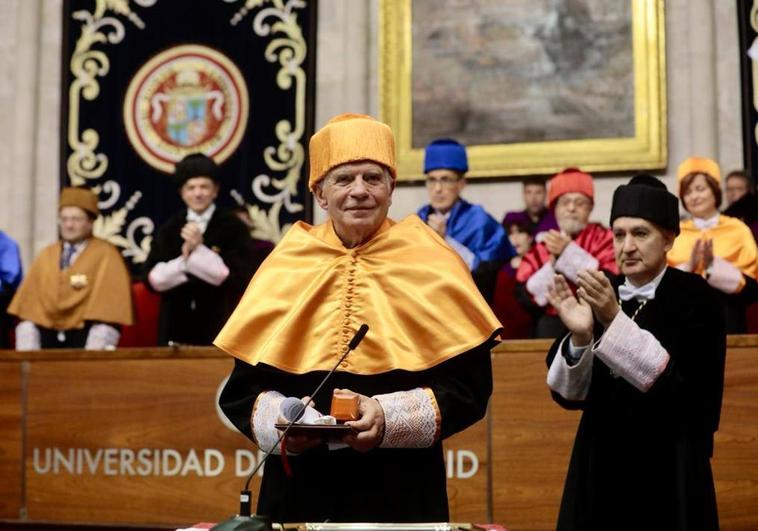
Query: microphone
(244, 521)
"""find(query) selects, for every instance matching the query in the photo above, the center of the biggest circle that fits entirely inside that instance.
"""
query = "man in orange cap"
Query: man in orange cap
(421, 374)
(578, 246)
(78, 291)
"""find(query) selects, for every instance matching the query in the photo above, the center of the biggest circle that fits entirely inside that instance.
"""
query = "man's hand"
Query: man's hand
(555, 242)
(596, 289)
(369, 428)
(438, 223)
(300, 443)
(192, 236)
(575, 314)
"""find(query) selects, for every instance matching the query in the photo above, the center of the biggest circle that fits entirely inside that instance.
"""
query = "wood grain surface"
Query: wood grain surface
(165, 399)
(10, 440)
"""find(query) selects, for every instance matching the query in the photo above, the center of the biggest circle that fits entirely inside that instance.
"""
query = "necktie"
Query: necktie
(68, 252)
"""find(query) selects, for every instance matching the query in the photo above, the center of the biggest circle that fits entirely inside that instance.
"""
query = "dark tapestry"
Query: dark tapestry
(748, 24)
(146, 82)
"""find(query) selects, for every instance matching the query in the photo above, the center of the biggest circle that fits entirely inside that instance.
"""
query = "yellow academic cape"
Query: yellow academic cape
(96, 287)
(732, 241)
(311, 294)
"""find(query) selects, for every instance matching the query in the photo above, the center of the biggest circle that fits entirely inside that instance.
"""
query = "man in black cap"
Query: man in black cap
(644, 359)
(201, 259)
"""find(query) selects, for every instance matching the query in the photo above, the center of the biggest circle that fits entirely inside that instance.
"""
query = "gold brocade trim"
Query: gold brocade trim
(289, 49)
(85, 165)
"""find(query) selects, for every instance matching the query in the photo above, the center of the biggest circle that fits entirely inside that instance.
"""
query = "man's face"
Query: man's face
(640, 248)
(736, 187)
(75, 224)
(198, 193)
(356, 196)
(572, 211)
(444, 187)
(534, 198)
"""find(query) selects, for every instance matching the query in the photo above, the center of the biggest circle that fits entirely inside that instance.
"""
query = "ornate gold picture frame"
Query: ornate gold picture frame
(642, 145)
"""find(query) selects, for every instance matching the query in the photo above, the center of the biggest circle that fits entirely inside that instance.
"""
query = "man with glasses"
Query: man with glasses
(78, 291)
(421, 374)
(479, 240)
(576, 247)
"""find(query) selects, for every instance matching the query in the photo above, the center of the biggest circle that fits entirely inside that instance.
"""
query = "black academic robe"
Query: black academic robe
(382, 485)
(194, 312)
(642, 460)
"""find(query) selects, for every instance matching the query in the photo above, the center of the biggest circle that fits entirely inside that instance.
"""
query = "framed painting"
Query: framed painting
(530, 86)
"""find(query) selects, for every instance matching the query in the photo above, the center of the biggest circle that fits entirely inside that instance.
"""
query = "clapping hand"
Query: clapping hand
(555, 242)
(438, 223)
(596, 290)
(192, 236)
(575, 313)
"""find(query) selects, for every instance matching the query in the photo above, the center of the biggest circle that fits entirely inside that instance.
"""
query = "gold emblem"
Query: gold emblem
(78, 281)
(188, 98)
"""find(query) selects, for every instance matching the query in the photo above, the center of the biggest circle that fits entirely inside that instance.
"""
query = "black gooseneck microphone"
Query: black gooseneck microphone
(245, 521)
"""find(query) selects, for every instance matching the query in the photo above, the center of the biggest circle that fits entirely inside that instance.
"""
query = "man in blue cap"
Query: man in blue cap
(479, 240)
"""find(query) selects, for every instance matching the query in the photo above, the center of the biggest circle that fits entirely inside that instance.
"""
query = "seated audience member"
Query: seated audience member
(78, 291)
(479, 240)
(200, 260)
(579, 245)
(516, 319)
(742, 200)
(10, 278)
(648, 373)
(718, 247)
(541, 218)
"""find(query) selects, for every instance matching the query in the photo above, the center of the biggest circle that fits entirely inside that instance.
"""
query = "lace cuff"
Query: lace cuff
(572, 382)
(264, 416)
(167, 275)
(207, 266)
(725, 277)
(632, 353)
(411, 418)
(573, 260)
(102, 336)
(27, 336)
(538, 284)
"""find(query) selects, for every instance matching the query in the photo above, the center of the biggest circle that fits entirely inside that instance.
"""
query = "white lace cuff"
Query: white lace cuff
(264, 416)
(27, 336)
(684, 266)
(167, 275)
(207, 266)
(102, 336)
(572, 382)
(573, 260)
(724, 276)
(411, 418)
(540, 282)
(632, 353)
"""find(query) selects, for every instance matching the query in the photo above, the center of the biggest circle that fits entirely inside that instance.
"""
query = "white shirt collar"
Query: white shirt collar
(201, 219)
(704, 224)
(627, 290)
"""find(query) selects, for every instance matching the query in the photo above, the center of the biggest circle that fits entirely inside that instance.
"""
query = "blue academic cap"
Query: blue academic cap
(445, 153)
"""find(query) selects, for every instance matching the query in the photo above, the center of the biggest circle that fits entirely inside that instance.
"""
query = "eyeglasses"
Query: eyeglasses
(445, 182)
(577, 202)
(72, 219)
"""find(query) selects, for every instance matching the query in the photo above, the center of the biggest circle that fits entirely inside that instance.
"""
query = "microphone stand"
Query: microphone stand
(245, 520)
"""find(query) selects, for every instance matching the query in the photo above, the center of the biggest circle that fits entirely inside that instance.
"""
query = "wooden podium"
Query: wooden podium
(133, 437)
